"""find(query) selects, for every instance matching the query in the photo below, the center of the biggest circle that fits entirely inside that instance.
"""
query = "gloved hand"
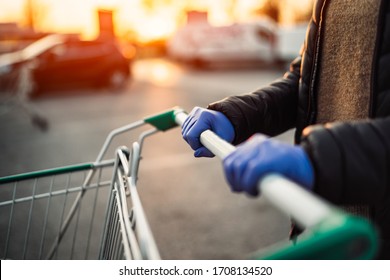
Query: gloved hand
(260, 156)
(201, 119)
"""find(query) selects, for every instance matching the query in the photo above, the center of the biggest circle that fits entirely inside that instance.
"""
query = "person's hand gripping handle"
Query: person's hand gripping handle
(284, 194)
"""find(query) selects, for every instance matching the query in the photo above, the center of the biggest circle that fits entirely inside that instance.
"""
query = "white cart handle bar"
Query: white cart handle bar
(284, 194)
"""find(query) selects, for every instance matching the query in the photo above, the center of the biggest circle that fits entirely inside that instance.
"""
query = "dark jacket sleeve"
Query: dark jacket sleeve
(351, 160)
(270, 110)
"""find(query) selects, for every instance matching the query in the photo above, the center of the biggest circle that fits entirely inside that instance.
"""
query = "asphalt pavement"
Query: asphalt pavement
(192, 213)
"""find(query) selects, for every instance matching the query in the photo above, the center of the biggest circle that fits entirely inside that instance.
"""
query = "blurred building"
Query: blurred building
(106, 25)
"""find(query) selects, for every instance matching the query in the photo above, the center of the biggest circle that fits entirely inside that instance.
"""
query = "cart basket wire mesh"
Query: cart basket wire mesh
(83, 211)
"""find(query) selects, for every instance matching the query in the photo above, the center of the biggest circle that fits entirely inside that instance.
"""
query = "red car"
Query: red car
(60, 61)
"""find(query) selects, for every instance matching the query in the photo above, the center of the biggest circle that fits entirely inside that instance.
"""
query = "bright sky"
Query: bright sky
(158, 21)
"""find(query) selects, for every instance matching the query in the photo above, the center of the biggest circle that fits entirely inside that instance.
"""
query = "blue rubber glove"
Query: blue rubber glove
(201, 119)
(260, 156)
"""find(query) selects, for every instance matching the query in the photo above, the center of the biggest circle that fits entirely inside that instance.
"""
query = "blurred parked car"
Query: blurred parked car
(259, 41)
(59, 61)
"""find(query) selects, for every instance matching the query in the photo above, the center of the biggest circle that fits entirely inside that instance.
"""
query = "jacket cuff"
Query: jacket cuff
(223, 106)
(320, 145)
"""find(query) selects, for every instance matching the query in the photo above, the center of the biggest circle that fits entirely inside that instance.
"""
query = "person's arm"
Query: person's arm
(351, 160)
(270, 110)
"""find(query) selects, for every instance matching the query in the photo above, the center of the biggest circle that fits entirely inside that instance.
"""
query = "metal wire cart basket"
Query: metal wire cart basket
(93, 210)
(16, 87)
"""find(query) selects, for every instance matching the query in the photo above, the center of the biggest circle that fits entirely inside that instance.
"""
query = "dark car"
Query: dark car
(60, 61)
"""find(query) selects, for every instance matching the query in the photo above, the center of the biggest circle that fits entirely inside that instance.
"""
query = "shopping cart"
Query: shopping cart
(16, 87)
(57, 213)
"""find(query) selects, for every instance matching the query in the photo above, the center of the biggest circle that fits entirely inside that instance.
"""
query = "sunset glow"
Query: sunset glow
(142, 20)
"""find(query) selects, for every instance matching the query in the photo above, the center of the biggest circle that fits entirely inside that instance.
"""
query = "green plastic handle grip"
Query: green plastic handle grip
(164, 120)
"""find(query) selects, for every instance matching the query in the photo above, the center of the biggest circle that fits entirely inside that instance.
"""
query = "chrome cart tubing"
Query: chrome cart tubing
(147, 242)
(128, 237)
(114, 133)
(117, 213)
(161, 122)
(137, 238)
(143, 136)
(136, 154)
(124, 228)
(284, 194)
